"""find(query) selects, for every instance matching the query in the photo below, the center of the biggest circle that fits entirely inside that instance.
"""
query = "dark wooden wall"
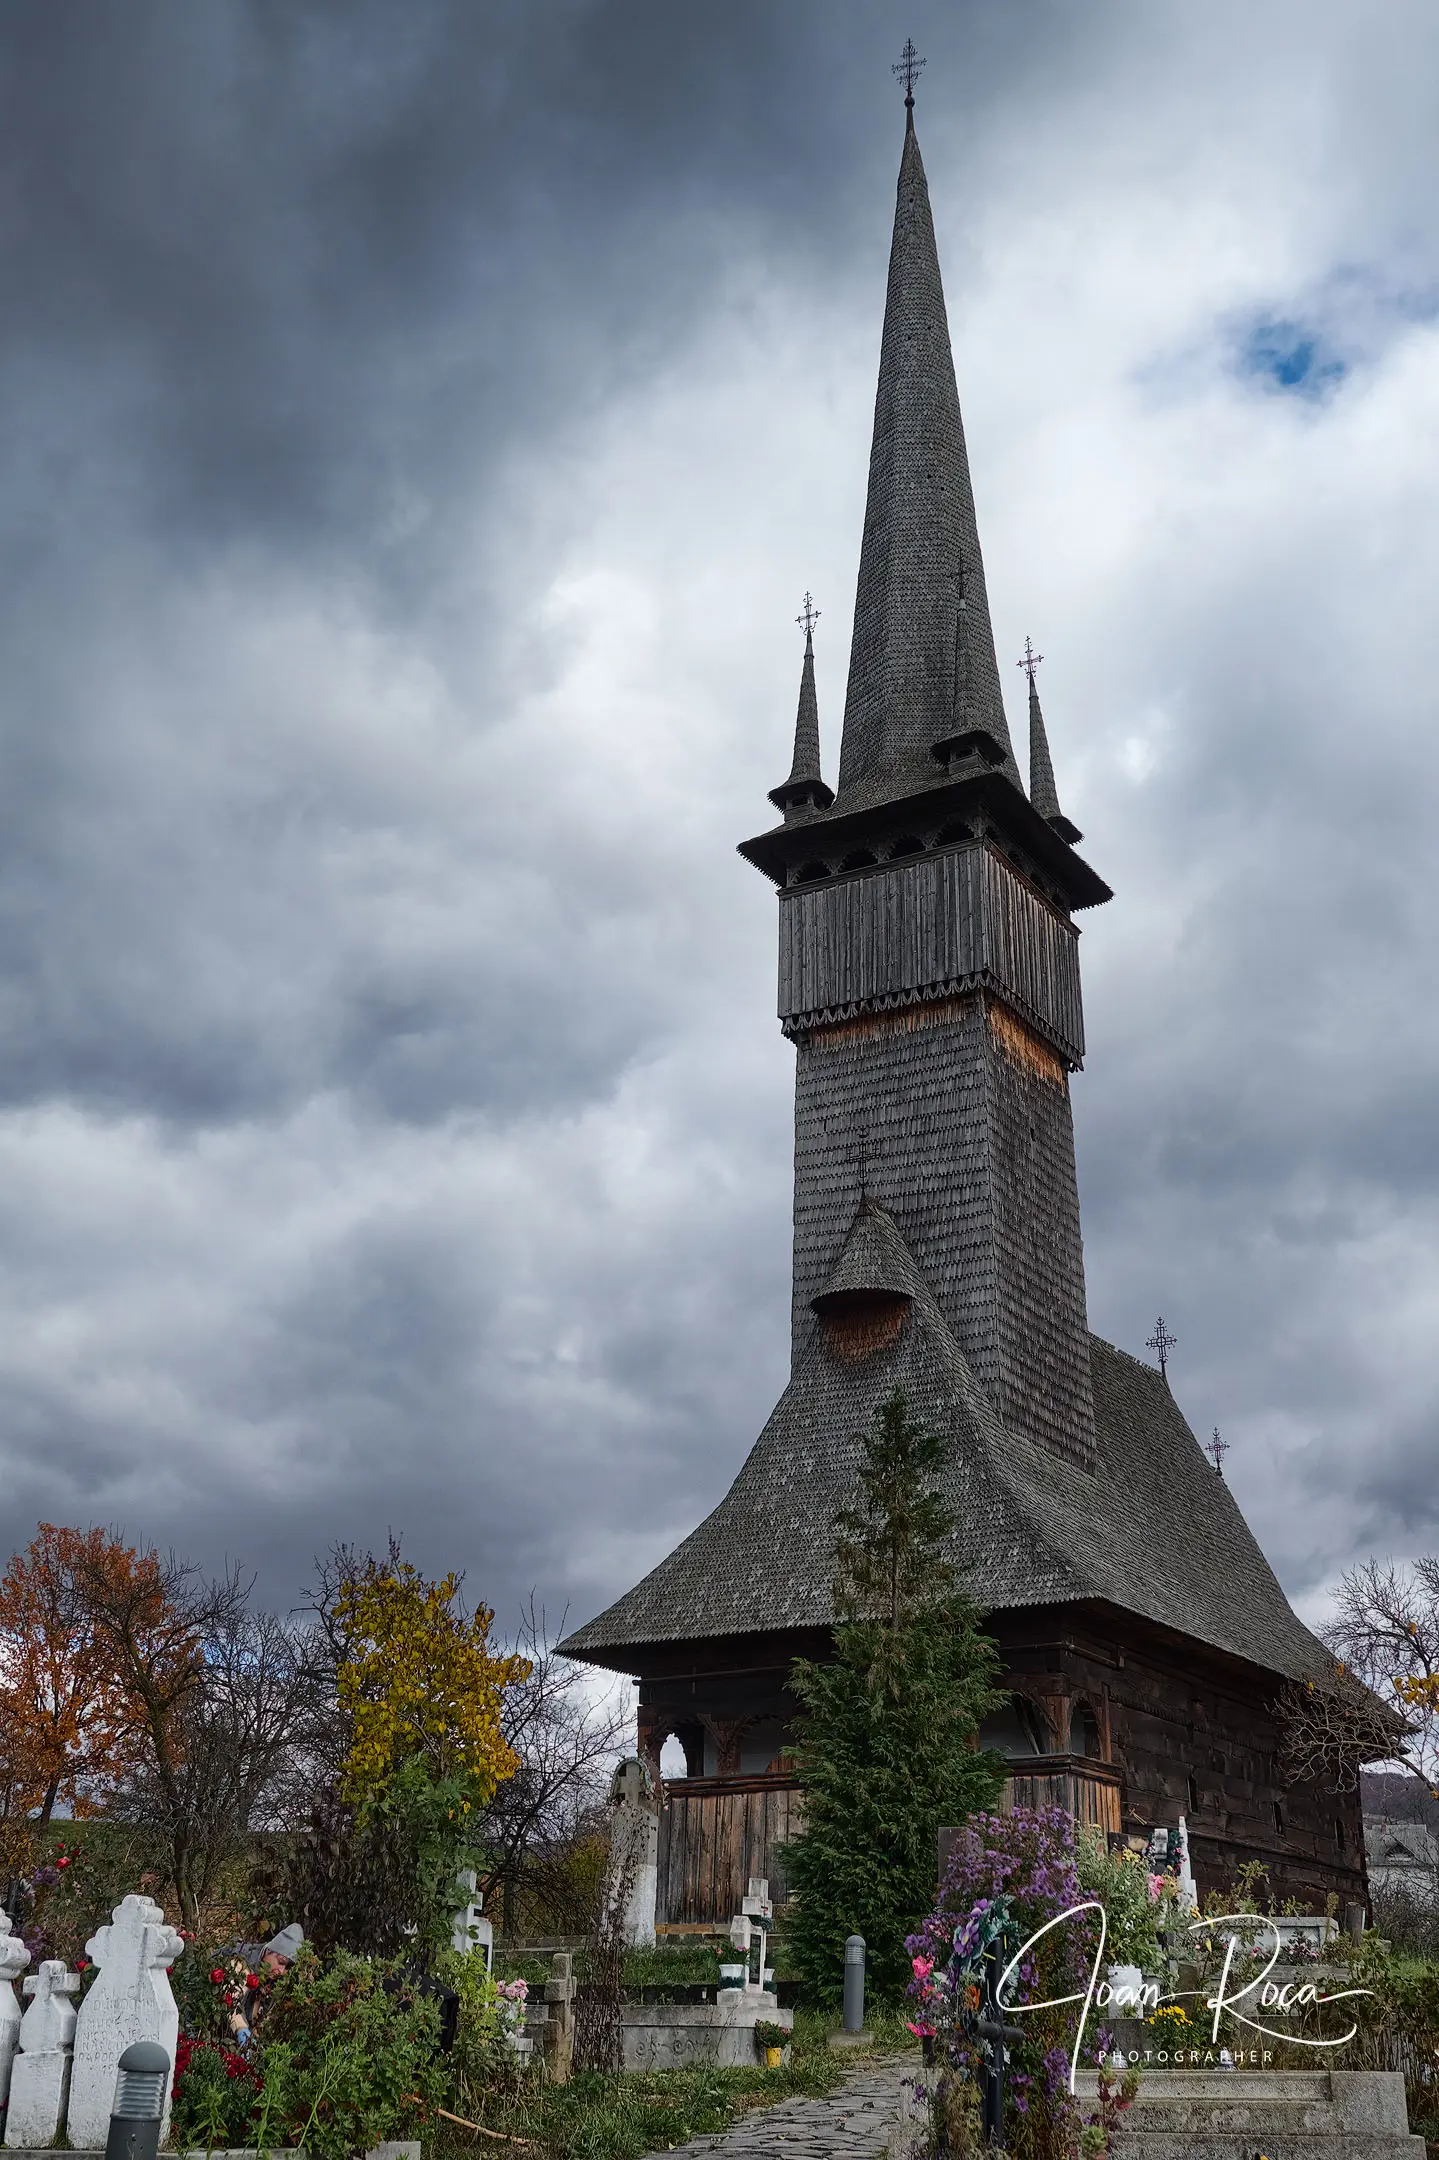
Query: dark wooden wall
(1192, 1733)
(1180, 1730)
(715, 1833)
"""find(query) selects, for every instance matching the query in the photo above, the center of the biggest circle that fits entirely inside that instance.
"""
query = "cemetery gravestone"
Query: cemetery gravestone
(559, 2026)
(634, 1849)
(469, 1929)
(14, 1957)
(40, 2073)
(130, 2000)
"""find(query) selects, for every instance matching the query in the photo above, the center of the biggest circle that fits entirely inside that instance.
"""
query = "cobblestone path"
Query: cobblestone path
(859, 2119)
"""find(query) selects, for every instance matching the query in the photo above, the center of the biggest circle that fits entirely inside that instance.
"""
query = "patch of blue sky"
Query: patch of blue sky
(1304, 347)
(1291, 356)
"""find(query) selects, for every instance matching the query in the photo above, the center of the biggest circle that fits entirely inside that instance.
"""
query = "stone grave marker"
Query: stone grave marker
(559, 2026)
(634, 1848)
(14, 1957)
(469, 1929)
(130, 2000)
(40, 2073)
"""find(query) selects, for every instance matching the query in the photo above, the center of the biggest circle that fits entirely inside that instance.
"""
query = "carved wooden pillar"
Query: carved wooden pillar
(726, 1734)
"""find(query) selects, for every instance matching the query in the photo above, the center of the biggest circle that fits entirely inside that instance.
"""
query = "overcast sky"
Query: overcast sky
(422, 422)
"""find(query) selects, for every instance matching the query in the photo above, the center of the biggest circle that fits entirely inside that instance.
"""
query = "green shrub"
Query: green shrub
(347, 2058)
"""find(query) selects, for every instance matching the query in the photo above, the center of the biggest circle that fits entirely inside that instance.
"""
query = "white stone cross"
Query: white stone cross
(469, 1929)
(751, 1925)
(129, 2000)
(40, 2074)
(14, 1957)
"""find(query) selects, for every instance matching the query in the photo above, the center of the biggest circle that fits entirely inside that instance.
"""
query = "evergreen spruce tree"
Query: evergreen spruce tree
(885, 1744)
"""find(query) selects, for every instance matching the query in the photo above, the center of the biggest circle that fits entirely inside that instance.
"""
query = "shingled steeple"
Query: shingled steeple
(922, 666)
(805, 788)
(1043, 793)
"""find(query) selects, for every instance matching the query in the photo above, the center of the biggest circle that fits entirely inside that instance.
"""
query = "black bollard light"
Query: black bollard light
(854, 1984)
(139, 2102)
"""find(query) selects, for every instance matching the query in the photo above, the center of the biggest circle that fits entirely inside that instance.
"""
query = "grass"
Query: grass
(623, 2115)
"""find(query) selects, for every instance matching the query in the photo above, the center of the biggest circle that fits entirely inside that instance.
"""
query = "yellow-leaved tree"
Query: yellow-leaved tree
(420, 1684)
(421, 1748)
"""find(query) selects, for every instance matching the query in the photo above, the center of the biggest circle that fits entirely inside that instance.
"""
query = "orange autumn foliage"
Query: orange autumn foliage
(65, 1703)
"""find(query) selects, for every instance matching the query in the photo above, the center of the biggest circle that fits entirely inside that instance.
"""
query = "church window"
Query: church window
(672, 1758)
(1339, 1845)
(1084, 1732)
(1279, 1823)
(1193, 1790)
(1013, 1731)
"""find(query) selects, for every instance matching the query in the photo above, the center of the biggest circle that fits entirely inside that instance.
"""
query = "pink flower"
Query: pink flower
(921, 2032)
(923, 1967)
(1156, 1888)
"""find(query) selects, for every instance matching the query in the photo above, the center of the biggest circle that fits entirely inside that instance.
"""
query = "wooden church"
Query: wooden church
(929, 981)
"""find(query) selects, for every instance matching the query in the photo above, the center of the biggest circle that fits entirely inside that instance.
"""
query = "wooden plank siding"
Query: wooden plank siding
(1091, 1793)
(715, 1833)
(957, 919)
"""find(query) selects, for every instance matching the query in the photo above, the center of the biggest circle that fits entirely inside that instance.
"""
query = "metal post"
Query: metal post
(139, 2102)
(992, 2030)
(854, 1984)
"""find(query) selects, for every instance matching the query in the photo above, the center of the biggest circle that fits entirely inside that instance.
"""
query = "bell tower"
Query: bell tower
(929, 958)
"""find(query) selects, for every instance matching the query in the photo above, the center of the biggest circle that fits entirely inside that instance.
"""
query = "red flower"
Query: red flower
(252, 1980)
(63, 1861)
(82, 1964)
(229, 2002)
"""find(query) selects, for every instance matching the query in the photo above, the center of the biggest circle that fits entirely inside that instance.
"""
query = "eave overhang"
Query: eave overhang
(988, 796)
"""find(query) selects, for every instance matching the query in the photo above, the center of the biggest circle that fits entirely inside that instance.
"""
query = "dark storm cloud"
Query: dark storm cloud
(417, 421)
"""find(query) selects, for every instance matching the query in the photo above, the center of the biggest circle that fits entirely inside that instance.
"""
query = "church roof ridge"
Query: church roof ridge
(1033, 1528)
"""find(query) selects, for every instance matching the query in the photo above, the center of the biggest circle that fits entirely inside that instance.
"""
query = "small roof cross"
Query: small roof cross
(808, 616)
(1030, 661)
(1162, 1342)
(1217, 1449)
(907, 66)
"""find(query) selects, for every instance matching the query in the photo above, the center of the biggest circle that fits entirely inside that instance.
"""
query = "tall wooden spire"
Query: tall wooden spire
(922, 666)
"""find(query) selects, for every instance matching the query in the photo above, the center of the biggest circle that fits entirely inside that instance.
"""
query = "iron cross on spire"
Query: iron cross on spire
(1163, 1342)
(908, 66)
(1030, 661)
(808, 615)
(1216, 1451)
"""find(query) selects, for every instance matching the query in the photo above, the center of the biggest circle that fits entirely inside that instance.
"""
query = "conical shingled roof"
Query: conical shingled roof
(1032, 1529)
(875, 1258)
(805, 786)
(920, 557)
(1042, 791)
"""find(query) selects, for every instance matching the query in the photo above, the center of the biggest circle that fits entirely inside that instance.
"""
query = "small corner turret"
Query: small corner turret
(804, 789)
(1043, 793)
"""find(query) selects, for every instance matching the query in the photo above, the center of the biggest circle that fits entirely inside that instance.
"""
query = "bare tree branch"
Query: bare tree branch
(566, 1740)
